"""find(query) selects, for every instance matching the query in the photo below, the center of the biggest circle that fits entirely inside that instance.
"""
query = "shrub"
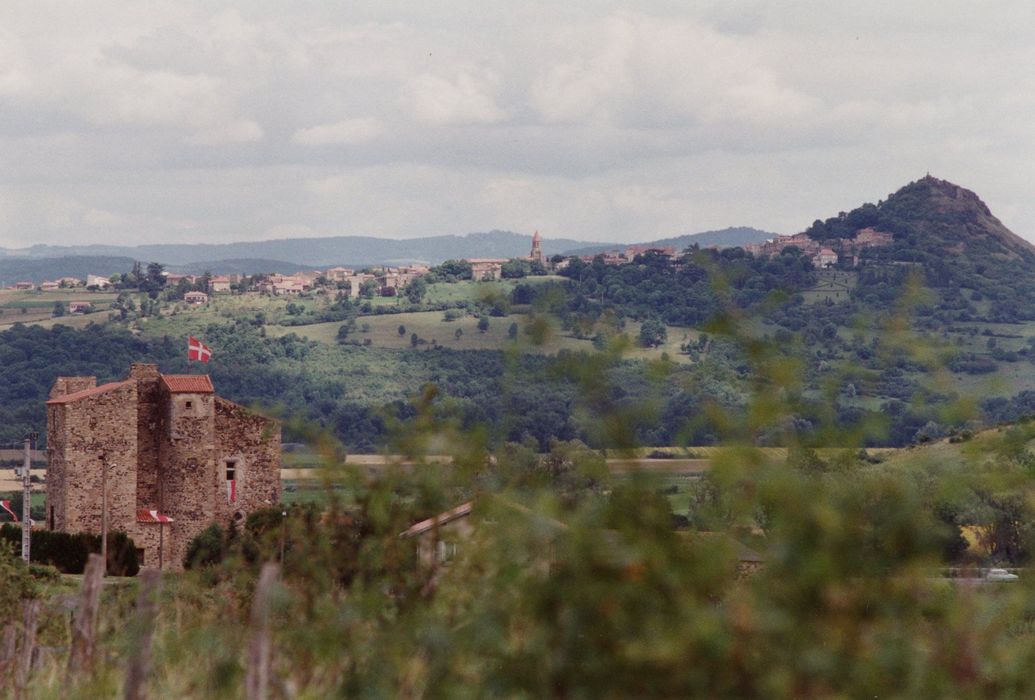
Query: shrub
(18, 582)
(207, 549)
(68, 552)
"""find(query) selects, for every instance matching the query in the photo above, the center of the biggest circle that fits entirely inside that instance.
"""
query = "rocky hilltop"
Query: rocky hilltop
(941, 214)
(934, 215)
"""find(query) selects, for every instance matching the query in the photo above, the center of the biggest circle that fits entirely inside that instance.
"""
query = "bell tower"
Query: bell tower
(537, 250)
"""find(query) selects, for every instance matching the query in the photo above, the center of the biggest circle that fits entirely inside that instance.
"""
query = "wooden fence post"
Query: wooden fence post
(32, 609)
(84, 631)
(258, 672)
(8, 649)
(142, 633)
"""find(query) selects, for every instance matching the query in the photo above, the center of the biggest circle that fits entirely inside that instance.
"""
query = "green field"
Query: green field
(179, 319)
(443, 292)
(832, 285)
(37, 308)
(383, 332)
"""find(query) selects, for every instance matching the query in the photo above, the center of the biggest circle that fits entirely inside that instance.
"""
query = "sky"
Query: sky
(184, 121)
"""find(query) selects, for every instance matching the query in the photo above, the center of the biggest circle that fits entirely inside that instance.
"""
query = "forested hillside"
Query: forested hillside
(926, 337)
(37, 270)
(948, 231)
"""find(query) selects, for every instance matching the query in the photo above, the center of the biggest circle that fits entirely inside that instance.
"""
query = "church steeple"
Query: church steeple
(537, 250)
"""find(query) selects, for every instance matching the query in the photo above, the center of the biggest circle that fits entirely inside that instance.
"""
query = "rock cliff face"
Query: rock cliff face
(943, 214)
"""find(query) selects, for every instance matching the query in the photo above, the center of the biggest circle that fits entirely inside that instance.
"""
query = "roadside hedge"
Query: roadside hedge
(68, 552)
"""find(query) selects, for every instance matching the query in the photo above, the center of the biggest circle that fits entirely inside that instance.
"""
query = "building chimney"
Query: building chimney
(143, 371)
(70, 385)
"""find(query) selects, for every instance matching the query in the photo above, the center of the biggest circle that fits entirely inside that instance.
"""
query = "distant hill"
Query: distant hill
(725, 238)
(320, 252)
(953, 235)
(36, 270)
(289, 254)
(243, 266)
(935, 214)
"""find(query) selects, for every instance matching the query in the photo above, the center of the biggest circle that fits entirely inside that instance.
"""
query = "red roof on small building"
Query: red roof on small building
(75, 396)
(153, 516)
(461, 511)
(189, 383)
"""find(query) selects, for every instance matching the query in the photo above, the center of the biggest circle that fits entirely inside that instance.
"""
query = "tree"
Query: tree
(483, 324)
(458, 333)
(402, 330)
(416, 290)
(414, 340)
(345, 329)
(653, 333)
(512, 331)
(368, 289)
(515, 269)
(452, 271)
(153, 281)
(59, 309)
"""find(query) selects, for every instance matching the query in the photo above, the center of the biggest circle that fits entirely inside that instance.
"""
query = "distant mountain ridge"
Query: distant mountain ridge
(321, 252)
(725, 238)
(41, 262)
(37, 270)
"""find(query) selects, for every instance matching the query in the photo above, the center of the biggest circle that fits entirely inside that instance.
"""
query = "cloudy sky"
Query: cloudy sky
(132, 122)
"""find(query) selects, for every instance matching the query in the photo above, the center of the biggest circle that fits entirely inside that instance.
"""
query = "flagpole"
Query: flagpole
(27, 501)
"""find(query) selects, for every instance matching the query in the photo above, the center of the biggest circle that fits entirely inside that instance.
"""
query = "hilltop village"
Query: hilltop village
(390, 281)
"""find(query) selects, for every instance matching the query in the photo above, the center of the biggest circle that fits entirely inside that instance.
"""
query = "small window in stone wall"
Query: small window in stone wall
(231, 481)
(188, 405)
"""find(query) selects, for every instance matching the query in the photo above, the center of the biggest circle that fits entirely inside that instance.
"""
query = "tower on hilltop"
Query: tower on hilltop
(537, 250)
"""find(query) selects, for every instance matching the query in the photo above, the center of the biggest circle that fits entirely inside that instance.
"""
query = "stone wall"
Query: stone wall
(91, 441)
(159, 450)
(187, 466)
(70, 385)
(145, 536)
(252, 442)
(148, 435)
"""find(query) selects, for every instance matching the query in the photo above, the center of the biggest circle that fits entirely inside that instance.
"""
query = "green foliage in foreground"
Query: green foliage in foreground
(571, 585)
(68, 552)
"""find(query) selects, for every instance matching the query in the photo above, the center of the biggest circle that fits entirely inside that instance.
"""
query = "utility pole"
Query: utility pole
(27, 497)
(104, 515)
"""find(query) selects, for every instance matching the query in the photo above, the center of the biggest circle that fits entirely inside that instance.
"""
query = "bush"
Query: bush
(207, 549)
(68, 552)
(18, 582)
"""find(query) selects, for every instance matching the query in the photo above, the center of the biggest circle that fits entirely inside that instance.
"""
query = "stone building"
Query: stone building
(536, 256)
(172, 456)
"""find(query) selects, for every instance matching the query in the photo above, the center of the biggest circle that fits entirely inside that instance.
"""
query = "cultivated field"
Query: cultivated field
(833, 285)
(33, 307)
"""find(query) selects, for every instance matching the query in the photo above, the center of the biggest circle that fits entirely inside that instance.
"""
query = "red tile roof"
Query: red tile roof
(153, 516)
(75, 396)
(188, 383)
(462, 510)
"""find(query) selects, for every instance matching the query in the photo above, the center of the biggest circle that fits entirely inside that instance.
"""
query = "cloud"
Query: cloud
(348, 131)
(236, 131)
(101, 218)
(464, 99)
(636, 70)
(601, 120)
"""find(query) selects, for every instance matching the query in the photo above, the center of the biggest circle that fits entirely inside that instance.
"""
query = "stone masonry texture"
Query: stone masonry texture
(158, 447)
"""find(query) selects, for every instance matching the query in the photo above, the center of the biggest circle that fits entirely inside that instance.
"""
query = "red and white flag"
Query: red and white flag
(231, 491)
(197, 350)
(6, 505)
